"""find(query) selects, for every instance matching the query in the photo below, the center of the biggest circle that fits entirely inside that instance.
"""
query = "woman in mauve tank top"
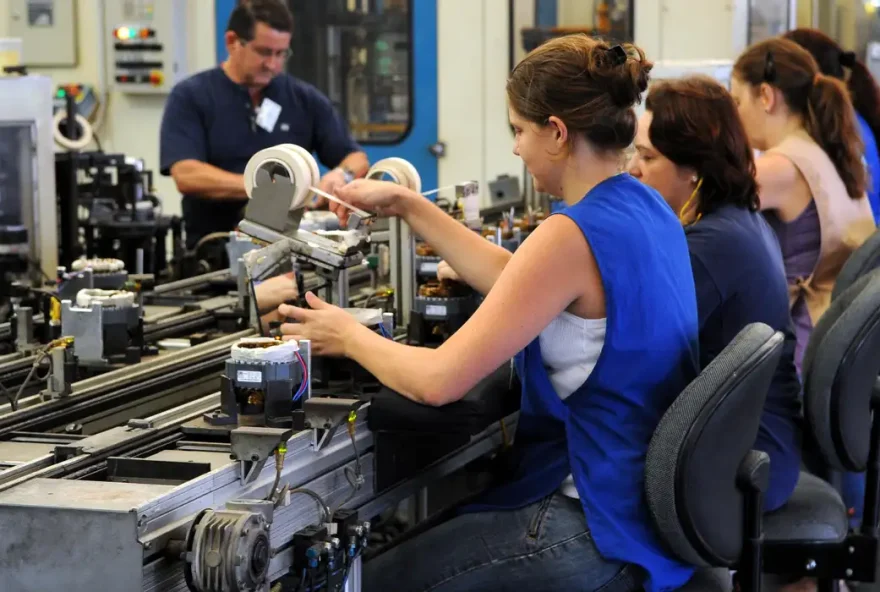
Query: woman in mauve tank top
(812, 182)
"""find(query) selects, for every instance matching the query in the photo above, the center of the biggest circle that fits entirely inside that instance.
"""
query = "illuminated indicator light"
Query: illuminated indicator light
(59, 93)
(156, 78)
(144, 33)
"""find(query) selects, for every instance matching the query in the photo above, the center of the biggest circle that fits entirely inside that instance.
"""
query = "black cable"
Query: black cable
(97, 141)
(325, 509)
(8, 395)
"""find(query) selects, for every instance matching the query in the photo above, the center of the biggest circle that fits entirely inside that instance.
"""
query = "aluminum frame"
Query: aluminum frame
(28, 99)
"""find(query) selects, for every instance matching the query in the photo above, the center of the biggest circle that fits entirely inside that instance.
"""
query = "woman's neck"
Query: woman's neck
(586, 170)
(778, 131)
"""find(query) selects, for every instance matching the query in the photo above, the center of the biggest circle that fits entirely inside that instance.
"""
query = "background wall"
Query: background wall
(472, 118)
(131, 125)
(472, 115)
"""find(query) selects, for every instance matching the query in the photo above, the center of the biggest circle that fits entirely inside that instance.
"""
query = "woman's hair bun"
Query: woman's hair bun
(623, 68)
(589, 84)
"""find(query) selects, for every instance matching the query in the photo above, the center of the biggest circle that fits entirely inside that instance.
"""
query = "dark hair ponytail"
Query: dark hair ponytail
(831, 122)
(821, 100)
(834, 61)
(865, 96)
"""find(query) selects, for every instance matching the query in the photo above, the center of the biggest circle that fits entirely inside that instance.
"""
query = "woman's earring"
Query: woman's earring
(694, 179)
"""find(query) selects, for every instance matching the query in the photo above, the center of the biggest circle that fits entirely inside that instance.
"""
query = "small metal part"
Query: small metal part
(24, 328)
(252, 446)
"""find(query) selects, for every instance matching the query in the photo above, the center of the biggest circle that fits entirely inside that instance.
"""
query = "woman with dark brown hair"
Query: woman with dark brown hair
(811, 178)
(578, 302)
(692, 148)
(863, 91)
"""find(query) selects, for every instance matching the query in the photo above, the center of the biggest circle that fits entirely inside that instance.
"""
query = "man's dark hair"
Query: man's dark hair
(248, 13)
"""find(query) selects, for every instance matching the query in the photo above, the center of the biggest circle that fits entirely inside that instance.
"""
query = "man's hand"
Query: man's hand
(330, 183)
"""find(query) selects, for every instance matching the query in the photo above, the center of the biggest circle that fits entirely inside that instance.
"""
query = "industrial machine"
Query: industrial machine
(264, 480)
(440, 307)
(28, 245)
(122, 217)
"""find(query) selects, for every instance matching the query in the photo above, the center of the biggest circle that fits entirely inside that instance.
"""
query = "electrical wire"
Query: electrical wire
(304, 385)
(8, 394)
(42, 354)
(279, 466)
(505, 437)
(355, 478)
(325, 509)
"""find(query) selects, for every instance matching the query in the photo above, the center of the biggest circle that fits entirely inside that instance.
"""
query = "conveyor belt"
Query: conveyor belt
(119, 388)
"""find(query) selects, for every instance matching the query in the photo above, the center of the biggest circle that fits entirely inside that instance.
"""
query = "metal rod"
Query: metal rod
(364, 215)
(342, 288)
(191, 282)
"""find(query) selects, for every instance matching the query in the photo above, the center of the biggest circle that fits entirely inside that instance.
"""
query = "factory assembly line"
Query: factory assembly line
(158, 439)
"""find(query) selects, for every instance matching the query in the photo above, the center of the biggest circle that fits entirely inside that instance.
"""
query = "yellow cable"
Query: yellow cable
(505, 437)
(684, 209)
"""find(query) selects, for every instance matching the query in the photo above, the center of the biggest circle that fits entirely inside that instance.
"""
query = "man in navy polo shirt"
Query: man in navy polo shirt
(216, 120)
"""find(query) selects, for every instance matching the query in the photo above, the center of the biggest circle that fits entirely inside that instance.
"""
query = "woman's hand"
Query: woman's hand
(445, 272)
(382, 197)
(328, 327)
(275, 291)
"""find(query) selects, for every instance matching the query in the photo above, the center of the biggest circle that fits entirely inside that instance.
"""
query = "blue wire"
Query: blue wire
(305, 380)
(383, 331)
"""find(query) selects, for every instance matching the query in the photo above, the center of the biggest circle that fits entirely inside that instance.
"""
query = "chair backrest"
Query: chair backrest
(840, 367)
(862, 261)
(697, 449)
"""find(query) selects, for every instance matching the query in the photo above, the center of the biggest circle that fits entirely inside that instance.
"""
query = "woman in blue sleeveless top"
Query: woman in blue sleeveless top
(846, 66)
(691, 146)
(597, 306)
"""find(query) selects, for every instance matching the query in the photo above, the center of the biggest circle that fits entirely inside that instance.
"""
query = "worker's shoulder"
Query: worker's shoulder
(206, 81)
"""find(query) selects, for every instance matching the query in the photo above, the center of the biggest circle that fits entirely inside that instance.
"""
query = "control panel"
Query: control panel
(47, 29)
(147, 46)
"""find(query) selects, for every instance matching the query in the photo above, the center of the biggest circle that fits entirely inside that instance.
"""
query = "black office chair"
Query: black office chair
(808, 537)
(703, 482)
(862, 261)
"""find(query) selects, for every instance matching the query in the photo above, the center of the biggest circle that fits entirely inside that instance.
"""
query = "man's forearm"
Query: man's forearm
(357, 163)
(199, 178)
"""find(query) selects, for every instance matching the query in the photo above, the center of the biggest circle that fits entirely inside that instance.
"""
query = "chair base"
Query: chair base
(854, 558)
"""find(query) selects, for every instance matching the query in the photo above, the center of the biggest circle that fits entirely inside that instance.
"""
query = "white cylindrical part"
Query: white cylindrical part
(64, 141)
(315, 173)
(264, 349)
(116, 298)
(297, 163)
(401, 172)
(98, 265)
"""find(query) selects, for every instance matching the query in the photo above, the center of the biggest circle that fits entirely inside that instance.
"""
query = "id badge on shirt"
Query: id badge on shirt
(268, 113)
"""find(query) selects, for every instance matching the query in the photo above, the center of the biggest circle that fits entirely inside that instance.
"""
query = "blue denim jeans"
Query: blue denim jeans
(544, 546)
